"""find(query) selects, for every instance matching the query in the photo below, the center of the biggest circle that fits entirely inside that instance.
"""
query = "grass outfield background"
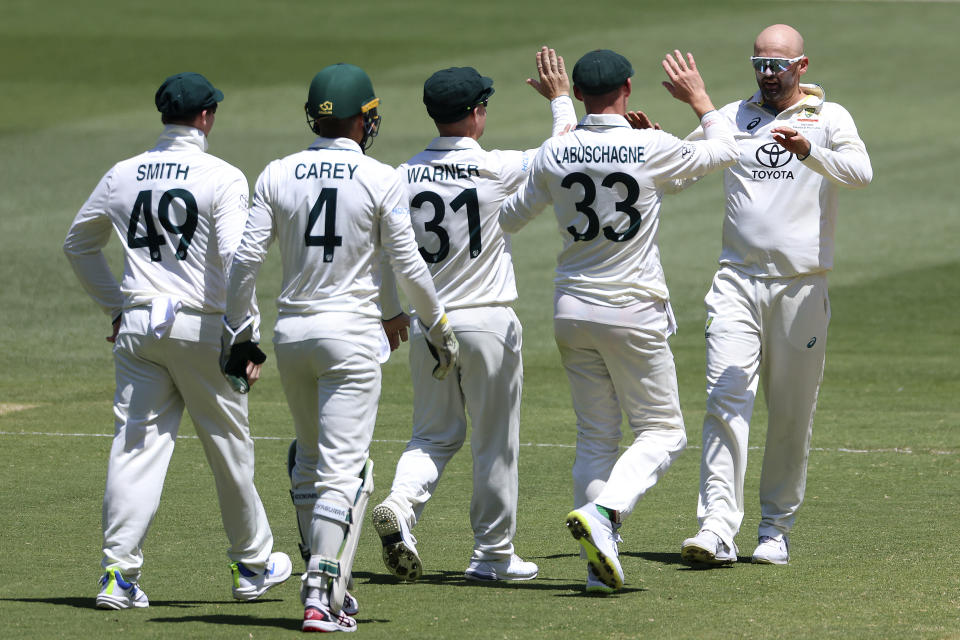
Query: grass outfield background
(875, 549)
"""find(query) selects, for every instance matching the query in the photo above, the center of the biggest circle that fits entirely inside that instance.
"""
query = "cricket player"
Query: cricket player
(768, 310)
(180, 213)
(612, 314)
(333, 210)
(455, 189)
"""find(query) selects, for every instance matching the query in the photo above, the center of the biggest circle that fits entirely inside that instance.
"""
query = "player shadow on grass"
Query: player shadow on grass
(86, 602)
(676, 560)
(247, 620)
(566, 587)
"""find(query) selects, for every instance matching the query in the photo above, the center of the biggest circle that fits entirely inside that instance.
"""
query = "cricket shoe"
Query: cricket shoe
(594, 585)
(399, 545)
(350, 605)
(318, 617)
(250, 585)
(597, 536)
(772, 550)
(707, 549)
(514, 569)
(117, 593)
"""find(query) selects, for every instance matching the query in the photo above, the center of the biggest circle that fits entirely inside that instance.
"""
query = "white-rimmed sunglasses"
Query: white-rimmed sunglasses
(776, 65)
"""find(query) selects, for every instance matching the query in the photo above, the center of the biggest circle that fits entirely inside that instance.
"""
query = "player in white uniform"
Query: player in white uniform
(333, 210)
(456, 189)
(612, 313)
(768, 310)
(180, 213)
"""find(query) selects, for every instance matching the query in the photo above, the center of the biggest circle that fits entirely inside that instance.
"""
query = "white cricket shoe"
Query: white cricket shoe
(250, 585)
(772, 550)
(318, 617)
(117, 593)
(350, 606)
(597, 536)
(513, 569)
(399, 546)
(594, 585)
(707, 549)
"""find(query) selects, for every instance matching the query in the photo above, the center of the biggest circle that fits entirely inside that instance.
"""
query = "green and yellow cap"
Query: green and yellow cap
(340, 91)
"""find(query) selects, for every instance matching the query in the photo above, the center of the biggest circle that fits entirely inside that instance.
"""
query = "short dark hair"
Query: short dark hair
(186, 119)
(331, 127)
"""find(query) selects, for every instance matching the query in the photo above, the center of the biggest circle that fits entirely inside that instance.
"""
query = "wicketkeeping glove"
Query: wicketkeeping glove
(443, 347)
(236, 350)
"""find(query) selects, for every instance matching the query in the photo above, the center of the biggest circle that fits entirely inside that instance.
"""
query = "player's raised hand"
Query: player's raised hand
(552, 81)
(685, 83)
(640, 120)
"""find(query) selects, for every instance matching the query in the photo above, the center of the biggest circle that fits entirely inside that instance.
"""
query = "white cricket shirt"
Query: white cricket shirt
(179, 213)
(781, 212)
(455, 190)
(332, 210)
(605, 182)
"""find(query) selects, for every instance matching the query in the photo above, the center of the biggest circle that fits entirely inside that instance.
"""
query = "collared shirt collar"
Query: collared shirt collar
(175, 135)
(452, 143)
(814, 96)
(603, 120)
(336, 144)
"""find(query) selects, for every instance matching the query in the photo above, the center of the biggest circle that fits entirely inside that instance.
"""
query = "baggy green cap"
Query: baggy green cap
(341, 90)
(450, 94)
(601, 71)
(185, 94)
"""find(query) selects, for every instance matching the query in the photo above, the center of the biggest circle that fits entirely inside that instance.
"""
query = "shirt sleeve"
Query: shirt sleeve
(230, 216)
(845, 162)
(564, 115)
(258, 234)
(681, 159)
(400, 245)
(530, 199)
(390, 305)
(514, 166)
(678, 185)
(84, 244)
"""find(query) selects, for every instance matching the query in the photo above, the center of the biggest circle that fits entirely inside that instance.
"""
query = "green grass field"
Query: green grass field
(875, 550)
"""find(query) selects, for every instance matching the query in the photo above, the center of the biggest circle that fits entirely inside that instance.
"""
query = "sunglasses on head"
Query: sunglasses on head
(776, 65)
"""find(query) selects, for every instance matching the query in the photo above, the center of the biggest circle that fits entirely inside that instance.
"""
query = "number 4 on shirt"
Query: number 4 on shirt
(327, 200)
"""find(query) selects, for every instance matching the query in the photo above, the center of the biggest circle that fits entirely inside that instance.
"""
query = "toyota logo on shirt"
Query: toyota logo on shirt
(773, 155)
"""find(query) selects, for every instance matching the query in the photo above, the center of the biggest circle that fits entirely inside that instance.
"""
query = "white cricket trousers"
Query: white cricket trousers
(155, 378)
(486, 385)
(773, 330)
(333, 389)
(614, 371)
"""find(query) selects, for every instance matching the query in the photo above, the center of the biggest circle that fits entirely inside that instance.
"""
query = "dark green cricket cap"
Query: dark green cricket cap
(341, 90)
(450, 94)
(185, 94)
(601, 71)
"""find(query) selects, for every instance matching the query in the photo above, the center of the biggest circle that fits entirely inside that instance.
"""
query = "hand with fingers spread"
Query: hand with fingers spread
(792, 140)
(552, 79)
(640, 120)
(685, 83)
